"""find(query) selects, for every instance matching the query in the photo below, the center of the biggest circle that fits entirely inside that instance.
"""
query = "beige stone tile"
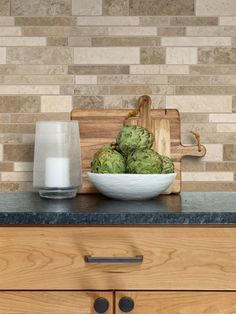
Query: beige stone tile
(154, 20)
(130, 89)
(56, 103)
(34, 117)
(227, 127)
(209, 186)
(234, 104)
(2, 55)
(171, 31)
(189, 80)
(1, 152)
(174, 69)
(230, 152)
(214, 152)
(19, 104)
(6, 20)
(107, 20)
(132, 31)
(211, 138)
(39, 55)
(6, 166)
(223, 80)
(40, 8)
(23, 41)
(9, 187)
(84, 7)
(192, 164)
(29, 89)
(86, 79)
(201, 128)
(121, 41)
(39, 31)
(9, 138)
(17, 128)
(21, 152)
(36, 79)
(28, 138)
(98, 69)
(181, 55)
(23, 166)
(195, 41)
(207, 176)
(187, 117)
(45, 21)
(16, 176)
(211, 31)
(5, 7)
(4, 118)
(213, 69)
(145, 69)
(152, 55)
(227, 20)
(153, 7)
(222, 117)
(206, 90)
(132, 79)
(116, 7)
(100, 55)
(87, 90)
(10, 69)
(200, 103)
(215, 7)
(220, 166)
(193, 21)
(88, 102)
(57, 41)
(88, 31)
(79, 41)
(130, 101)
(163, 89)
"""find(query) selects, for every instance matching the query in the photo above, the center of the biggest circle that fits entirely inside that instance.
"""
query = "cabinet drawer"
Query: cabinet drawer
(176, 302)
(21, 302)
(53, 258)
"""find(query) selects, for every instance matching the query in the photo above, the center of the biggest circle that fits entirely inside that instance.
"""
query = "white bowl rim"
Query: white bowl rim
(131, 174)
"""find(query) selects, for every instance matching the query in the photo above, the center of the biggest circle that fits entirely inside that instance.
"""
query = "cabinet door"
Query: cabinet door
(176, 302)
(51, 302)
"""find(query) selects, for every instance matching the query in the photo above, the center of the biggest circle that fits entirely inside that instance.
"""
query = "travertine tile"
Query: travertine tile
(99, 55)
(171, 31)
(9, 138)
(97, 69)
(132, 79)
(84, 7)
(234, 104)
(87, 90)
(130, 101)
(161, 7)
(145, 69)
(36, 79)
(32, 118)
(116, 7)
(16, 176)
(9, 187)
(18, 152)
(22, 41)
(28, 138)
(29, 89)
(108, 20)
(207, 176)
(80, 41)
(154, 20)
(10, 31)
(4, 118)
(226, 127)
(211, 31)
(132, 31)
(213, 69)
(23, 166)
(230, 152)
(6, 166)
(189, 80)
(217, 55)
(209, 186)
(130, 89)
(186, 128)
(19, 104)
(17, 128)
(6, 20)
(190, 164)
(152, 55)
(227, 20)
(222, 117)
(88, 102)
(174, 69)
(181, 55)
(189, 117)
(1, 152)
(86, 79)
(46, 31)
(57, 41)
(9, 69)
(221, 166)
(88, 31)
(205, 90)
(215, 7)
(214, 152)
(195, 41)
(200, 103)
(119, 41)
(39, 55)
(211, 138)
(56, 103)
(2, 55)
(163, 89)
(45, 21)
(40, 7)
(5, 7)
(193, 21)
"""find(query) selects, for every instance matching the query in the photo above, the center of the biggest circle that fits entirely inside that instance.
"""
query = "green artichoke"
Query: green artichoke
(167, 165)
(131, 138)
(108, 160)
(144, 161)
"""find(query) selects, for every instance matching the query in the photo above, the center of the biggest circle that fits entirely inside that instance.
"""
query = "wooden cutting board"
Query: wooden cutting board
(100, 126)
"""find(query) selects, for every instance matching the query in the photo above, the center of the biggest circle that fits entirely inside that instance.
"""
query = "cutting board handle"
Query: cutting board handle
(143, 108)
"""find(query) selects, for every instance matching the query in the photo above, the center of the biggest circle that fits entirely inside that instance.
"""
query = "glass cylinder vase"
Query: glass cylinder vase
(57, 161)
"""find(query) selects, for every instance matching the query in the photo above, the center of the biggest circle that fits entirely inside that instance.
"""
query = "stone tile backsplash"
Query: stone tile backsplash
(64, 54)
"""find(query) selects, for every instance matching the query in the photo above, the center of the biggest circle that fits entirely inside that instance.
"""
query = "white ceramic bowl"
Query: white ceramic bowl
(131, 186)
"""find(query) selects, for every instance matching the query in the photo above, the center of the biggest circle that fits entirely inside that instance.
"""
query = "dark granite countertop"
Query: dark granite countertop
(26, 208)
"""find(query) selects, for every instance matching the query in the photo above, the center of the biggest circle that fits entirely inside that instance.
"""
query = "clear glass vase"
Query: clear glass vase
(57, 161)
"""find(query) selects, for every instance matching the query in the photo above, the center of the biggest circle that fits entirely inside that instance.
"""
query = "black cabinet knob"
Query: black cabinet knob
(126, 304)
(101, 305)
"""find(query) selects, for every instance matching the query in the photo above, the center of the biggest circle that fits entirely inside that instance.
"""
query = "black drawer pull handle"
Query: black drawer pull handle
(135, 259)
(101, 305)
(126, 304)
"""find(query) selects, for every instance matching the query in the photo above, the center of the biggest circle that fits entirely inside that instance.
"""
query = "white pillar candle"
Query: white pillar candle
(57, 172)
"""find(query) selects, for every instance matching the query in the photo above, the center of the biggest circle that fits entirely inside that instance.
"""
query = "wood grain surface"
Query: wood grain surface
(51, 302)
(99, 127)
(174, 258)
(180, 302)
